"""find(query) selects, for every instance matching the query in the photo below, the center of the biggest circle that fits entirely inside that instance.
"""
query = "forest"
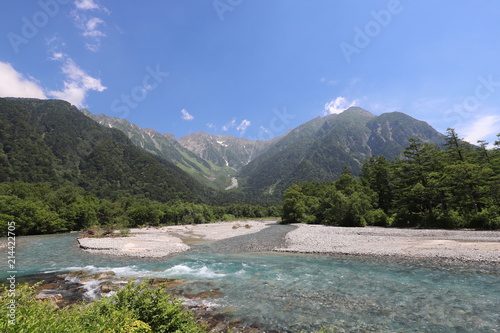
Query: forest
(429, 186)
(42, 208)
(456, 185)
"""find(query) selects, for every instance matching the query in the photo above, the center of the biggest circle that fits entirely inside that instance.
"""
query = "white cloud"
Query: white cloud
(57, 55)
(338, 105)
(186, 115)
(243, 126)
(86, 4)
(14, 84)
(482, 129)
(77, 84)
(211, 126)
(329, 82)
(229, 125)
(92, 27)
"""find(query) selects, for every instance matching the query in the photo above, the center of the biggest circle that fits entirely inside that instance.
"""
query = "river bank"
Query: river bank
(457, 245)
(218, 279)
(162, 241)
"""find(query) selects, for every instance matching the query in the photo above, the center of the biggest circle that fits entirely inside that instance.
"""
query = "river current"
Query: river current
(291, 292)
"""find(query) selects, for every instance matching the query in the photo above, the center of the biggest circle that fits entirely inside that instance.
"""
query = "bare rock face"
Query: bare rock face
(224, 150)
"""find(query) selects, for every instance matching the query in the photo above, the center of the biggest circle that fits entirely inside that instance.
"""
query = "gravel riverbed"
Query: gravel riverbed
(162, 241)
(462, 245)
(258, 236)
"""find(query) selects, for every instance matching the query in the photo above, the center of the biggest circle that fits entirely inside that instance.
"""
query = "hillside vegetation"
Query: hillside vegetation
(315, 151)
(428, 187)
(52, 141)
(62, 171)
(320, 149)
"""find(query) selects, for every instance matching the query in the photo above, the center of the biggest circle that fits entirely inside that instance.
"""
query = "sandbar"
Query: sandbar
(163, 241)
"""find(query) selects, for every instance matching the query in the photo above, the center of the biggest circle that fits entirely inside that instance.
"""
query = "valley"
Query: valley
(232, 166)
(315, 151)
(356, 200)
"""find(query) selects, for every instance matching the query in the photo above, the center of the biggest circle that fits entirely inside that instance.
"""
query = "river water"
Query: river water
(291, 292)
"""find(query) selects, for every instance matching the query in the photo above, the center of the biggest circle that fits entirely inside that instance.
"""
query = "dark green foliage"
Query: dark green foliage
(345, 202)
(428, 187)
(376, 174)
(42, 208)
(39, 209)
(52, 141)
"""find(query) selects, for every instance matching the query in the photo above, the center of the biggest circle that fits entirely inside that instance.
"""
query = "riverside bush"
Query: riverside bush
(137, 309)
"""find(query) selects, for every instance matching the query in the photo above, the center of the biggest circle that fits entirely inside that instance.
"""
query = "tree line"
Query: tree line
(456, 185)
(42, 208)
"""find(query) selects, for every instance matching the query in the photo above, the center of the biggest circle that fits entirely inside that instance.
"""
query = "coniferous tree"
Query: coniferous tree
(376, 174)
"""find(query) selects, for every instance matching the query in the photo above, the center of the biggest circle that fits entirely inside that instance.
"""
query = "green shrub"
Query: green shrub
(378, 217)
(138, 326)
(228, 217)
(449, 220)
(124, 232)
(152, 306)
(134, 309)
(488, 218)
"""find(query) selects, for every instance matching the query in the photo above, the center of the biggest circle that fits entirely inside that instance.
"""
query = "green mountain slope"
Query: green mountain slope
(320, 149)
(53, 141)
(390, 129)
(167, 147)
(50, 140)
(272, 168)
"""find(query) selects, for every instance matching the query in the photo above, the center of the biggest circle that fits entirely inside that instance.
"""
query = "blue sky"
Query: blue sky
(257, 68)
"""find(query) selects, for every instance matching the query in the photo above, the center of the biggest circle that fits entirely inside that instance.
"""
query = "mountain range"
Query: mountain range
(316, 150)
(79, 146)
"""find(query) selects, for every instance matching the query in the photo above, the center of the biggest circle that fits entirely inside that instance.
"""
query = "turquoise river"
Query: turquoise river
(293, 293)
